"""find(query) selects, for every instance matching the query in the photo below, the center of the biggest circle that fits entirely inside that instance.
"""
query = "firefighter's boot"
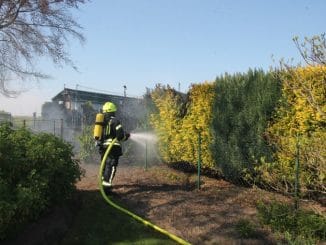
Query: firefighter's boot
(113, 171)
(106, 175)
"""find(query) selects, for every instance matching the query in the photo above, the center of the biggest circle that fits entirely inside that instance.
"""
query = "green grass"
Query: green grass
(98, 223)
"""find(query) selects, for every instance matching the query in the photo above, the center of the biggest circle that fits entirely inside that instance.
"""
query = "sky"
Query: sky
(139, 44)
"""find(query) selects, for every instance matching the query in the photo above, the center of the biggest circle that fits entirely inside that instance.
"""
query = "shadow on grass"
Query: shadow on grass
(98, 223)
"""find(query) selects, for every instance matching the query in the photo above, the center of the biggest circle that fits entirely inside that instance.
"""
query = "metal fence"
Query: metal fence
(56, 127)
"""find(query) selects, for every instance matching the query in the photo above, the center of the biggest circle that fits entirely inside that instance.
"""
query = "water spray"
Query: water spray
(141, 138)
(146, 140)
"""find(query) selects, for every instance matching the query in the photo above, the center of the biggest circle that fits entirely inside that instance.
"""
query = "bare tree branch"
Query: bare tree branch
(35, 28)
(312, 50)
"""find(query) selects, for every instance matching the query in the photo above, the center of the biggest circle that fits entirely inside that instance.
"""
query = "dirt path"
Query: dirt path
(171, 200)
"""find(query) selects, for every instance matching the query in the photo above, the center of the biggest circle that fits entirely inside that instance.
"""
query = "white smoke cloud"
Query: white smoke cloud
(25, 104)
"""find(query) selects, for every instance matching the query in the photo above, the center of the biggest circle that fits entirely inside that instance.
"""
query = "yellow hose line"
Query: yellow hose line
(136, 217)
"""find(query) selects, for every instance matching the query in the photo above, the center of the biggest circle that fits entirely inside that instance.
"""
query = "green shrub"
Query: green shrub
(88, 149)
(294, 224)
(36, 171)
(245, 229)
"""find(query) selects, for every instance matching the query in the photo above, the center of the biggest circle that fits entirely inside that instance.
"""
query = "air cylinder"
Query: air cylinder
(98, 128)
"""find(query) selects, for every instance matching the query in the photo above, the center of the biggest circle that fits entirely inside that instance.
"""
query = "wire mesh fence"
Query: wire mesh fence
(56, 127)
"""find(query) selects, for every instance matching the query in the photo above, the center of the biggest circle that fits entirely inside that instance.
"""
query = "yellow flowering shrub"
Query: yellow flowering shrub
(198, 120)
(166, 121)
(179, 120)
(300, 120)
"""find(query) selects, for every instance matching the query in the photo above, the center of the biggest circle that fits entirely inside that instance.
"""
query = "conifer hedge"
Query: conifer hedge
(249, 124)
(243, 106)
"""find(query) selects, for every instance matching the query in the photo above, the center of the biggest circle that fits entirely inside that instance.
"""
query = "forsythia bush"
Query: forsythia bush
(198, 120)
(300, 120)
(167, 121)
(36, 171)
(180, 118)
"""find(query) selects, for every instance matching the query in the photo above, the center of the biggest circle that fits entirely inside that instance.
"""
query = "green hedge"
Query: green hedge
(243, 106)
(36, 171)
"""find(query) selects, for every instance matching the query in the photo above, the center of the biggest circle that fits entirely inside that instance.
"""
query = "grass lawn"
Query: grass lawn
(98, 223)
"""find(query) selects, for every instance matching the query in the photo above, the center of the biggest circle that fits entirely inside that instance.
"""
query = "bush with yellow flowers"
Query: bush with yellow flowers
(180, 119)
(298, 131)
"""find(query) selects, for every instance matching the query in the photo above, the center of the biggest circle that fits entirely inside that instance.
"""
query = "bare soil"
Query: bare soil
(170, 199)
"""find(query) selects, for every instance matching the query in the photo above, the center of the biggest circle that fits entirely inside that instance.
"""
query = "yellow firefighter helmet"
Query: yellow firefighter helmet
(109, 107)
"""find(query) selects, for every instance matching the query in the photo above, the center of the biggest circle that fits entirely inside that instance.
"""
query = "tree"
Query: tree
(31, 29)
(312, 50)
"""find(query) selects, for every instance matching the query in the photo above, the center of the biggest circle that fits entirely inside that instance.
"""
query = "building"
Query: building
(73, 99)
(79, 107)
(5, 117)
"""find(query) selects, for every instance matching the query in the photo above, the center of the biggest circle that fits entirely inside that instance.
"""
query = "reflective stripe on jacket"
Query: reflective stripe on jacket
(109, 141)
(112, 128)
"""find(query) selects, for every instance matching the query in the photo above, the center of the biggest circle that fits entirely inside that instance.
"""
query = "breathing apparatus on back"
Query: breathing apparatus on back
(98, 128)
(99, 120)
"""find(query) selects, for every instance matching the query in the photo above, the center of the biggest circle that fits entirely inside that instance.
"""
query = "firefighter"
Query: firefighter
(111, 128)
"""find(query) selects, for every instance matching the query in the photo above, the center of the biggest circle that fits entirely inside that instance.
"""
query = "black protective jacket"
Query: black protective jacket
(112, 128)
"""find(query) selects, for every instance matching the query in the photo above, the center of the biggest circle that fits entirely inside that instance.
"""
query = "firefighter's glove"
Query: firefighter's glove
(98, 143)
(127, 136)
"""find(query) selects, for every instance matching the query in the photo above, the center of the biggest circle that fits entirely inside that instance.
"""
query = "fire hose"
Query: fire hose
(136, 217)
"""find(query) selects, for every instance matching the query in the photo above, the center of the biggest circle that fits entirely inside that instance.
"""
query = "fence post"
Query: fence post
(297, 170)
(54, 127)
(34, 119)
(199, 160)
(146, 131)
(61, 128)
(146, 163)
(146, 150)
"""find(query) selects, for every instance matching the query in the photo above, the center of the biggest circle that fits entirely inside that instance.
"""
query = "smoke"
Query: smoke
(142, 147)
(53, 121)
(24, 105)
(131, 112)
